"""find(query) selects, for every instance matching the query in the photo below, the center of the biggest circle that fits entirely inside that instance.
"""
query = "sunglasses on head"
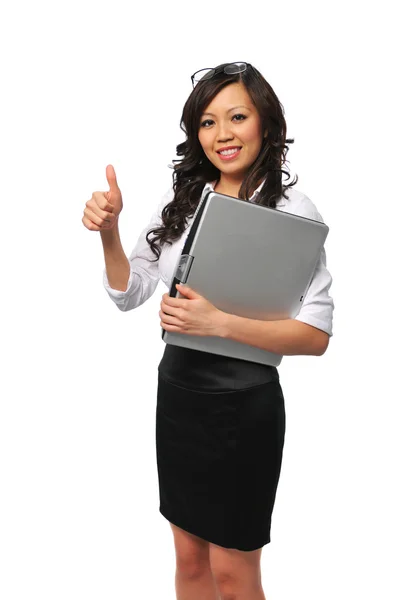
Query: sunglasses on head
(229, 69)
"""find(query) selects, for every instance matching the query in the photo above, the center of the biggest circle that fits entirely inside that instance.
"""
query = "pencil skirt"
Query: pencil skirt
(219, 457)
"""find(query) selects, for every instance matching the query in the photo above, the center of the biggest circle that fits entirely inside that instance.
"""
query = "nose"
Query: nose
(224, 134)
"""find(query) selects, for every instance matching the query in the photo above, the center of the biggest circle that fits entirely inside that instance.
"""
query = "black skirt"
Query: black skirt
(220, 428)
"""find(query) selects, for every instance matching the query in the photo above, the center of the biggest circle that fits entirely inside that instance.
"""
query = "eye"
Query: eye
(239, 115)
(210, 120)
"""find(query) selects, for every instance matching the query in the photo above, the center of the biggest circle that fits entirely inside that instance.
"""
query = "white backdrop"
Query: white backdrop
(88, 84)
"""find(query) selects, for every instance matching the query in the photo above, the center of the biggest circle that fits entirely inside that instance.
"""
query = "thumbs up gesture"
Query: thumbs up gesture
(103, 209)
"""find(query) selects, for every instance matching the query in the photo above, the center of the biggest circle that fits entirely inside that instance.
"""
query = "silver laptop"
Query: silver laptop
(247, 260)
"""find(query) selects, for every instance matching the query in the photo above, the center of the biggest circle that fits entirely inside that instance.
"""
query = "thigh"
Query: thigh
(192, 552)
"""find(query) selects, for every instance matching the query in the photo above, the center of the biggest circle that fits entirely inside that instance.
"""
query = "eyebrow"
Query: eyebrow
(233, 108)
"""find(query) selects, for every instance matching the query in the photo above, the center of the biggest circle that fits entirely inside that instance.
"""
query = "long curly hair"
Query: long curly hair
(195, 170)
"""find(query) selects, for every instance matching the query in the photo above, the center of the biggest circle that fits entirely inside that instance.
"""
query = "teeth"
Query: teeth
(226, 152)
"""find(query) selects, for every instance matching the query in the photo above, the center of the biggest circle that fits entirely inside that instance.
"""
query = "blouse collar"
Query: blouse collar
(209, 187)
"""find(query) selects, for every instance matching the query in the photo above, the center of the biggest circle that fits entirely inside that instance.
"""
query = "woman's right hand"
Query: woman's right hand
(103, 209)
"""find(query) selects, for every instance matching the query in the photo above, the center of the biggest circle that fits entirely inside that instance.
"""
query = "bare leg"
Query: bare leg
(243, 593)
(237, 574)
(194, 579)
(199, 586)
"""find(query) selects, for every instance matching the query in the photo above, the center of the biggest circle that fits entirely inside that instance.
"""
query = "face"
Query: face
(231, 119)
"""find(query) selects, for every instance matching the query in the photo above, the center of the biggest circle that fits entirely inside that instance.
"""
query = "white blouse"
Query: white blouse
(317, 308)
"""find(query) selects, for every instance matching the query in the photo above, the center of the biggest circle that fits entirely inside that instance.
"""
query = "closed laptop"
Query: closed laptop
(247, 260)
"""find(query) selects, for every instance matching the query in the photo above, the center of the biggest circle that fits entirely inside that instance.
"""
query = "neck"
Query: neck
(231, 187)
(228, 186)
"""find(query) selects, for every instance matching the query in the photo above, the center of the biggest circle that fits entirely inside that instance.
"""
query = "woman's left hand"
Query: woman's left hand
(193, 314)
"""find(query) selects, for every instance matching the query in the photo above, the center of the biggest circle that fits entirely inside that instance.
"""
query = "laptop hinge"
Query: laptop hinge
(184, 267)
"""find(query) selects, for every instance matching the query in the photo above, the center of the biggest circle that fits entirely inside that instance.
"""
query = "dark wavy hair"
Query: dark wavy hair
(195, 170)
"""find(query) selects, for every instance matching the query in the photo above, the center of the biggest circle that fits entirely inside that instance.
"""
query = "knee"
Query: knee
(227, 584)
(232, 588)
(233, 582)
(192, 566)
(229, 595)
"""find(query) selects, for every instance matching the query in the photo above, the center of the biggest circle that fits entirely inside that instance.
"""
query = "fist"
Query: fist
(103, 209)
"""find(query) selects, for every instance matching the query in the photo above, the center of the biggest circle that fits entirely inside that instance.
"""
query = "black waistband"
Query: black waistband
(212, 372)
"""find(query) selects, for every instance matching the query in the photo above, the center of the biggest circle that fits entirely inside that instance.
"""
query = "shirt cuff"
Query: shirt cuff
(119, 295)
(318, 323)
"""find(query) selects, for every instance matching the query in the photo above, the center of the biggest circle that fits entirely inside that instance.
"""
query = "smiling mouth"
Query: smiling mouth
(230, 155)
(234, 148)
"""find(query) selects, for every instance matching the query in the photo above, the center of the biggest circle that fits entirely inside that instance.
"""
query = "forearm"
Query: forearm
(286, 337)
(116, 262)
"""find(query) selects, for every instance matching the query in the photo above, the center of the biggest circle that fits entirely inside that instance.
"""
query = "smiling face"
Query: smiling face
(231, 119)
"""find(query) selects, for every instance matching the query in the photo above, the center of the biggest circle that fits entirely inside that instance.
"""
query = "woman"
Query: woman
(220, 421)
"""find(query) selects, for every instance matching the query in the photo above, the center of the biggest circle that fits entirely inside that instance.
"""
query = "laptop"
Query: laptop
(248, 260)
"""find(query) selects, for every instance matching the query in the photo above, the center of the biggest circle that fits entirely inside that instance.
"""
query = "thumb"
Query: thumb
(187, 291)
(111, 177)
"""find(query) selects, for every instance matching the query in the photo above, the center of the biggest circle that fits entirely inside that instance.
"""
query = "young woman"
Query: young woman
(220, 421)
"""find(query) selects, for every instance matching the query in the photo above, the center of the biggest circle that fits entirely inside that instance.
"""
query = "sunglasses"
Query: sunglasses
(229, 69)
